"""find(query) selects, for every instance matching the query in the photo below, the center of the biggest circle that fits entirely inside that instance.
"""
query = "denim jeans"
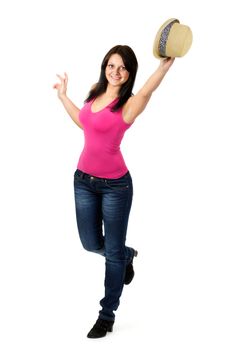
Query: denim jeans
(102, 212)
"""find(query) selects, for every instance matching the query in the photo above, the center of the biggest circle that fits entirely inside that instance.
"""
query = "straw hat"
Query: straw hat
(172, 39)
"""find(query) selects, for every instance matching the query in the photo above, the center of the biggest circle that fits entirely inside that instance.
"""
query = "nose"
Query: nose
(116, 70)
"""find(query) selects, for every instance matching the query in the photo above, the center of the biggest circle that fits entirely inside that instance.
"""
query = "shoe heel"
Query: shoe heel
(110, 328)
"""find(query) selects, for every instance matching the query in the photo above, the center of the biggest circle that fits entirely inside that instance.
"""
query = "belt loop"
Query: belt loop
(82, 175)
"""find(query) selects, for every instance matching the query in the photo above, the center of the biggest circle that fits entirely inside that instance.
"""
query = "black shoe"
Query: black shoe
(129, 273)
(100, 328)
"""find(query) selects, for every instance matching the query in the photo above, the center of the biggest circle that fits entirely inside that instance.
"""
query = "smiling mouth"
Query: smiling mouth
(115, 78)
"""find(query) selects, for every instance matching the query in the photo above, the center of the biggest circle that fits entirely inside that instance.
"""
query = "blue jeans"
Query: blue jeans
(105, 204)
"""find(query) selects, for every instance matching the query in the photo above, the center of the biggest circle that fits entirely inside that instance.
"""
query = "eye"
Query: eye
(110, 66)
(122, 68)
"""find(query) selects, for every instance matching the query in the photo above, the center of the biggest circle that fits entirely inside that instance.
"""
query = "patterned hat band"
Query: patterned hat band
(164, 37)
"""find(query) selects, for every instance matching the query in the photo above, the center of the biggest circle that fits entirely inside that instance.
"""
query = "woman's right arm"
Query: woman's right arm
(69, 106)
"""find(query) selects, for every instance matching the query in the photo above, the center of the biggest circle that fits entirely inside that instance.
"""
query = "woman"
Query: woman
(102, 182)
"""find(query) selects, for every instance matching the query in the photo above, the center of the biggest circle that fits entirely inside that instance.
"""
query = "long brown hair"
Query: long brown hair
(131, 64)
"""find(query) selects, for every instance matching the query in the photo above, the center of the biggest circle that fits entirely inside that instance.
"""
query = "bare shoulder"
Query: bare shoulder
(94, 86)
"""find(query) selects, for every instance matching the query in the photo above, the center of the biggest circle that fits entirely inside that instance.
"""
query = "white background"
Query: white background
(179, 152)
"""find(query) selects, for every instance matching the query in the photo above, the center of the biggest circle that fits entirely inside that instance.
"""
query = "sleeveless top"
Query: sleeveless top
(103, 132)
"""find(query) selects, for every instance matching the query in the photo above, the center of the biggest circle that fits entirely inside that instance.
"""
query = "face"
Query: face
(115, 71)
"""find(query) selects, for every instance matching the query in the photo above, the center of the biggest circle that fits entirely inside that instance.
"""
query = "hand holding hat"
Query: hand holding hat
(172, 39)
(166, 63)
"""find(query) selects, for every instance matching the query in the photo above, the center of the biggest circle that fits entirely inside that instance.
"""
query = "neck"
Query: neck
(112, 92)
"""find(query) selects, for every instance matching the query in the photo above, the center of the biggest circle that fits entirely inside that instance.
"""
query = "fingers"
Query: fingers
(60, 77)
(168, 59)
(62, 85)
(167, 62)
(172, 59)
(63, 81)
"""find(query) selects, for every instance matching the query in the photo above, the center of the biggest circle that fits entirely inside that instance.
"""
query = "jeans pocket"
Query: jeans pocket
(118, 184)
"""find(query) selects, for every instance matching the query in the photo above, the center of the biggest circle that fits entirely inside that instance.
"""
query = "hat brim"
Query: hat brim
(157, 38)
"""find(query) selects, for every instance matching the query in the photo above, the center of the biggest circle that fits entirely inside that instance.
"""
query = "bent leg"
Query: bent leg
(89, 217)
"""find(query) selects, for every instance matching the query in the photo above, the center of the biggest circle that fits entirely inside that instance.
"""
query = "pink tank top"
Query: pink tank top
(103, 132)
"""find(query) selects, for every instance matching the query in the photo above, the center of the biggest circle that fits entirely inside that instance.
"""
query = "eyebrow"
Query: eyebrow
(122, 65)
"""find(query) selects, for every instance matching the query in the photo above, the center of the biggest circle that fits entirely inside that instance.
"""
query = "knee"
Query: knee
(116, 255)
(88, 246)
(94, 248)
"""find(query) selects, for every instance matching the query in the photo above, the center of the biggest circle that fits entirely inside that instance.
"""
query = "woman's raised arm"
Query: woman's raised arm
(69, 106)
(137, 103)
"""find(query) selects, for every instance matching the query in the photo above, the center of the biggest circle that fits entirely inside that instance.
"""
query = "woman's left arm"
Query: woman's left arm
(137, 103)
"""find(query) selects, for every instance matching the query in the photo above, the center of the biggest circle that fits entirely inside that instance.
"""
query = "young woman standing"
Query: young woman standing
(102, 182)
